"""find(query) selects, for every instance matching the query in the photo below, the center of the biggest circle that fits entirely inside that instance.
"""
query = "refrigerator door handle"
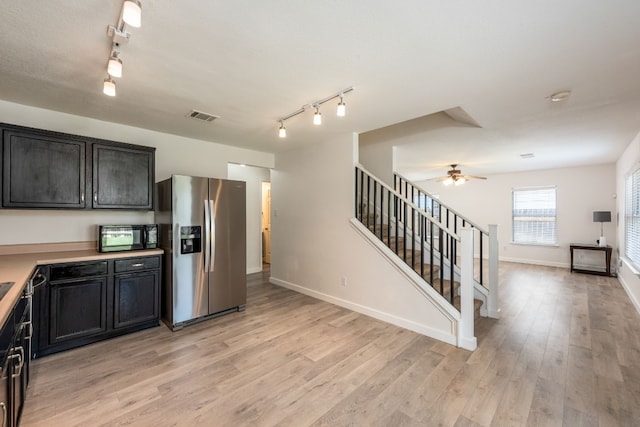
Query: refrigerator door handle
(212, 236)
(207, 235)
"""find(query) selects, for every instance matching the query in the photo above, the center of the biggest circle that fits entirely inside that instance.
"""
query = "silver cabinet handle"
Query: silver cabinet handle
(20, 357)
(30, 332)
(95, 197)
(41, 282)
(82, 196)
(139, 264)
(4, 414)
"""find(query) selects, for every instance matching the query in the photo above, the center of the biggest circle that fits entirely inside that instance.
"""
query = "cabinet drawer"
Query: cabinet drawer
(72, 271)
(137, 264)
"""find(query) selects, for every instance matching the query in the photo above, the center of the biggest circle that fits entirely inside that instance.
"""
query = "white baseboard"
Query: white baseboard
(368, 311)
(536, 262)
(632, 297)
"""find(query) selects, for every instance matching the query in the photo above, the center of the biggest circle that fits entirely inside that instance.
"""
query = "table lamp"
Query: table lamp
(602, 217)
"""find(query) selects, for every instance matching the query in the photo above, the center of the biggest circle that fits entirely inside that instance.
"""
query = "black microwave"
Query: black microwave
(115, 238)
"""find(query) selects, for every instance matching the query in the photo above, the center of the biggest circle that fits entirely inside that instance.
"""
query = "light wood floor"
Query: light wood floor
(566, 352)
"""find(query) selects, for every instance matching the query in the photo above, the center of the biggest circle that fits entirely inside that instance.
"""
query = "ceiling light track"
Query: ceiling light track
(317, 116)
(130, 14)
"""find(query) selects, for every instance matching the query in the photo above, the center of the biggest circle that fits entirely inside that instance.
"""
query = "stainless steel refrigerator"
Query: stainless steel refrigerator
(202, 229)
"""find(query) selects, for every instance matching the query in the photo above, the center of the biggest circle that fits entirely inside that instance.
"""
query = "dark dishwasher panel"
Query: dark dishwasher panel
(72, 271)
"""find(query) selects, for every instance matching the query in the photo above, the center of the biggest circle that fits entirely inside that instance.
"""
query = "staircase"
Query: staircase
(445, 250)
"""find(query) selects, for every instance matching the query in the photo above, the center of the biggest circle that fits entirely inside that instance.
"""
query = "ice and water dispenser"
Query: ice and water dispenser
(190, 239)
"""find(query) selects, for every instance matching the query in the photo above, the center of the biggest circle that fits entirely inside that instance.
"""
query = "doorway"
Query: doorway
(266, 223)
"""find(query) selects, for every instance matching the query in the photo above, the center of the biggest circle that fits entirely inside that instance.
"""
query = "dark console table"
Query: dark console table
(587, 247)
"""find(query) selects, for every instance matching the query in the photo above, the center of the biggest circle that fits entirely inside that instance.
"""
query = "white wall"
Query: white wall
(629, 161)
(378, 158)
(580, 191)
(314, 245)
(174, 155)
(254, 177)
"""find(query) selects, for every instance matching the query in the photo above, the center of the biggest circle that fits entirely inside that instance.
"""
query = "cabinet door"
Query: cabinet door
(42, 171)
(136, 298)
(122, 178)
(19, 373)
(6, 391)
(77, 309)
(5, 395)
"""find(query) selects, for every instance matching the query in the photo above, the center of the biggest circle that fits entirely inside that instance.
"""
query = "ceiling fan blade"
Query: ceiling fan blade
(439, 178)
(474, 177)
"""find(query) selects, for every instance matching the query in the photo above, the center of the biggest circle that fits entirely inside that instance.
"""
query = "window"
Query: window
(632, 218)
(534, 216)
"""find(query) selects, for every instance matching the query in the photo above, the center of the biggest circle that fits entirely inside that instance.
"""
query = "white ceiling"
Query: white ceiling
(251, 62)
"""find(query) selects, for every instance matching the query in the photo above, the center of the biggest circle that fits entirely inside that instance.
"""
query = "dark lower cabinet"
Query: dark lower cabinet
(86, 302)
(136, 296)
(15, 340)
(77, 309)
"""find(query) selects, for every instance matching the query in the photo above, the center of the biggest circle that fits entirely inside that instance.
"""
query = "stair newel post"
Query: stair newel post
(466, 337)
(493, 302)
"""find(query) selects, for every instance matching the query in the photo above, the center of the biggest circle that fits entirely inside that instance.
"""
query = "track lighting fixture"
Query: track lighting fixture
(317, 116)
(114, 67)
(109, 87)
(130, 14)
(342, 107)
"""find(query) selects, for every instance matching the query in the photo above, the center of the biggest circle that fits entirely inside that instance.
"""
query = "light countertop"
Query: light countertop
(18, 268)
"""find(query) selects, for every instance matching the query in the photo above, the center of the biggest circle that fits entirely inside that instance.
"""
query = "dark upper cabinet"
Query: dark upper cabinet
(122, 178)
(42, 171)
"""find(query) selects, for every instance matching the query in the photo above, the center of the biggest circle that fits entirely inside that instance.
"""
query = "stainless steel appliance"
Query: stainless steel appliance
(202, 229)
(115, 238)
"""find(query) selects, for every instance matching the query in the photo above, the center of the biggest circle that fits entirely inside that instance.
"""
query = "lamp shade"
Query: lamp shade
(132, 13)
(602, 216)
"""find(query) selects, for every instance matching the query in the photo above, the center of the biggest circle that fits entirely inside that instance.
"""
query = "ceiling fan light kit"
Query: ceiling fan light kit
(455, 176)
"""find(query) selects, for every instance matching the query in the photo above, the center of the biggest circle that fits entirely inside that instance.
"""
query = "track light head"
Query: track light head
(114, 67)
(342, 107)
(317, 117)
(282, 132)
(132, 13)
(109, 87)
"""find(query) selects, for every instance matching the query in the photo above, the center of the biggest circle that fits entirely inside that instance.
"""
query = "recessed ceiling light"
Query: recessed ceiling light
(527, 155)
(560, 96)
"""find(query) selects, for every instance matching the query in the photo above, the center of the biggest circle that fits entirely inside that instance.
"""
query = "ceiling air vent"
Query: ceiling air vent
(199, 115)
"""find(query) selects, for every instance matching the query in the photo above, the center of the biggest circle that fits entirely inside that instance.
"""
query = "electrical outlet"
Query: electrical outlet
(343, 281)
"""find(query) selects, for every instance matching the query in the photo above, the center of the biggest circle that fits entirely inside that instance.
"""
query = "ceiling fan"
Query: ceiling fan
(455, 176)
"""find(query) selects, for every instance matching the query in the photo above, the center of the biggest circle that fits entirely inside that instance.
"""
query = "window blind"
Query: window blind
(632, 218)
(534, 216)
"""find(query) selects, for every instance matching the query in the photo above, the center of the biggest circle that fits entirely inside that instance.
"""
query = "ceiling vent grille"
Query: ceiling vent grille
(199, 115)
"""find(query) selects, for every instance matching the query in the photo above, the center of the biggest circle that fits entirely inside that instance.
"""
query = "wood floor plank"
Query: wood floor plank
(565, 352)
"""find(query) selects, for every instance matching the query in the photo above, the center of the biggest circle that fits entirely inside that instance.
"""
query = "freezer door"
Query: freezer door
(228, 266)
(190, 292)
